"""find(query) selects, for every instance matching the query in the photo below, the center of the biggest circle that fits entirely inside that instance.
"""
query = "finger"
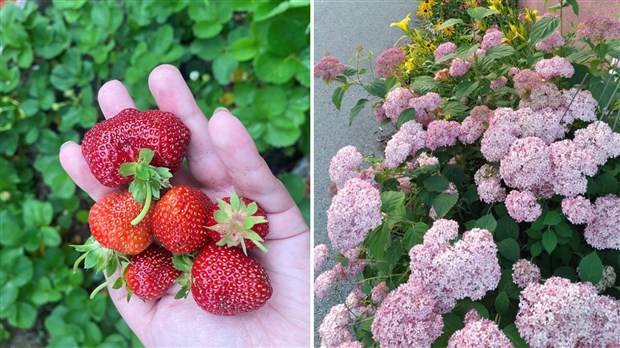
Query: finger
(75, 165)
(136, 312)
(173, 95)
(249, 172)
(114, 98)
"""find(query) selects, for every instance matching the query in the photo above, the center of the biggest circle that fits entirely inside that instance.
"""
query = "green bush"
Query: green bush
(250, 56)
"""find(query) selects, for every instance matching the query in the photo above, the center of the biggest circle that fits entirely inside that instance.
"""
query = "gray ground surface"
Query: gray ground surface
(339, 26)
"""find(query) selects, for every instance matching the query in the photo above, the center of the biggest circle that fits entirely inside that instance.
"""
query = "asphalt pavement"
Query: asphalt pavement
(340, 26)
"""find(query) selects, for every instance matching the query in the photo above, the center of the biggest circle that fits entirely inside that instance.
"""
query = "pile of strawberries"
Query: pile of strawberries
(180, 236)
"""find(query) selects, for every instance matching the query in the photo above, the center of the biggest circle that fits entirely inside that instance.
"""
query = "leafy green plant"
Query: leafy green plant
(249, 56)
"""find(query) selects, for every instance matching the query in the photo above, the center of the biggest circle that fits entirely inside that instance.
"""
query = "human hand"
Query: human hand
(222, 159)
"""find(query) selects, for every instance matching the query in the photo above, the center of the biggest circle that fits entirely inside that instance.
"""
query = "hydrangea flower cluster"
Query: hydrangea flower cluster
(406, 318)
(555, 67)
(564, 314)
(544, 124)
(526, 80)
(523, 206)
(551, 43)
(492, 37)
(356, 303)
(379, 292)
(355, 210)
(571, 164)
(442, 133)
(597, 28)
(608, 280)
(542, 96)
(488, 184)
(407, 141)
(320, 256)
(600, 140)
(525, 273)
(496, 141)
(424, 160)
(499, 82)
(472, 126)
(479, 332)
(425, 107)
(578, 210)
(527, 164)
(444, 49)
(579, 105)
(328, 68)
(469, 268)
(333, 330)
(459, 68)
(379, 113)
(344, 165)
(603, 232)
(388, 61)
(396, 101)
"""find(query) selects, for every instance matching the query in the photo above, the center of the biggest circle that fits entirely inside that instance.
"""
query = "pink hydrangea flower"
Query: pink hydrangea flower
(406, 318)
(571, 163)
(355, 265)
(513, 71)
(388, 61)
(542, 96)
(479, 333)
(598, 28)
(333, 330)
(503, 116)
(544, 124)
(527, 164)
(320, 256)
(344, 165)
(396, 101)
(603, 232)
(472, 126)
(496, 142)
(492, 37)
(469, 268)
(324, 283)
(425, 107)
(526, 80)
(424, 160)
(551, 43)
(356, 303)
(328, 68)
(499, 82)
(404, 185)
(459, 68)
(379, 113)
(488, 184)
(554, 67)
(379, 292)
(442, 133)
(351, 344)
(578, 210)
(600, 140)
(523, 206)
(582, 105)
(354, 211)
(524, 273)
(444, 49)
(407, 141)
(564, 314)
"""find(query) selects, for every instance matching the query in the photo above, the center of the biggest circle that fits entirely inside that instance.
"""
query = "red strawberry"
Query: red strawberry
(110, 224)
(151, 273)
(138, 147)
(180, 219)
(226, 282)
(119, 140)
(238, 221)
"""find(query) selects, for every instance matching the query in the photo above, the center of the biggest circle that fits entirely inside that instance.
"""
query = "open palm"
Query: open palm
(222, 159)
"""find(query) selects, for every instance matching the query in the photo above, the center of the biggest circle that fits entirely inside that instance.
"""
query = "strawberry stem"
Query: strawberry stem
(145, 208)
(101, 286)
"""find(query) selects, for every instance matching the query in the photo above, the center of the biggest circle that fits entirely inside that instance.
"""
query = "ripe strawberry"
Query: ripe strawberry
(180, 219)
(109, 221)
(238, 221)
(226, 282)
(138, 147)
(151, 273)
(119, 140)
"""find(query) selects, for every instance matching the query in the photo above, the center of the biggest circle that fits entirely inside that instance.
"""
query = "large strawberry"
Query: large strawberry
(113, 234)
(138, 147)
(180, 219)
(226, 282)
(238, 221)
(151, 273)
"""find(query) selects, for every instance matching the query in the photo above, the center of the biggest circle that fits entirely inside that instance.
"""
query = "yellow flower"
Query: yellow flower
(531, 15)
(409, 65)
(404, 24)
(448, 31)
(226, 99)
(425, 9)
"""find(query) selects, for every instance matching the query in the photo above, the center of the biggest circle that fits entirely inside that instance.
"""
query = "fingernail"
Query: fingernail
(221, 108)
(65, 143)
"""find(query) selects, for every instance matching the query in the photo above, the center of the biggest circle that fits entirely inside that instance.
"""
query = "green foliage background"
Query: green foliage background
(251, 56)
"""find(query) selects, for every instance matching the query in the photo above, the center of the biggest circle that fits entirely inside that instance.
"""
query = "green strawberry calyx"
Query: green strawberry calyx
(184, 264)
(148, 180)
(235, 221)
(102, 259)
